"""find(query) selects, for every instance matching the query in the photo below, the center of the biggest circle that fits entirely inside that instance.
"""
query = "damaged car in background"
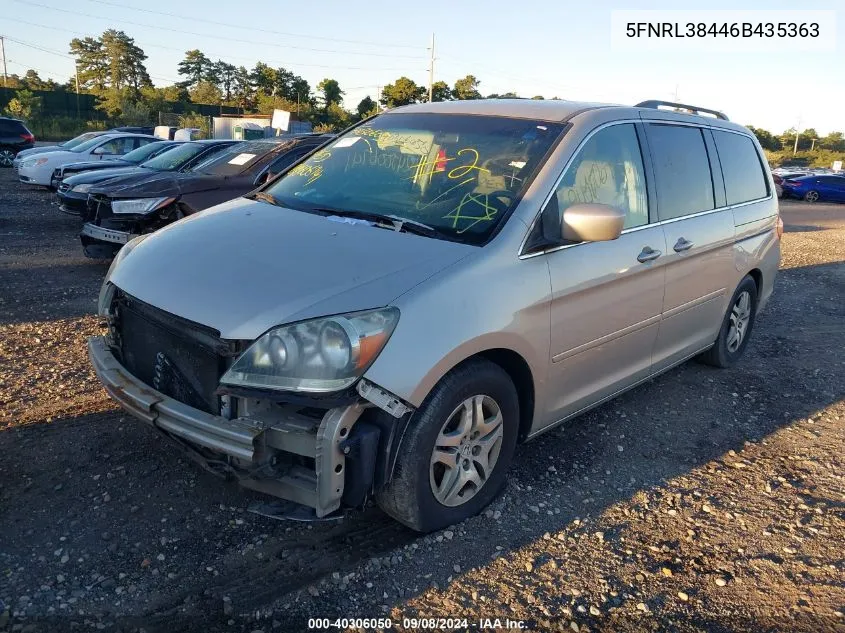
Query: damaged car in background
(140, 203)
(389, 317)
(73, 190)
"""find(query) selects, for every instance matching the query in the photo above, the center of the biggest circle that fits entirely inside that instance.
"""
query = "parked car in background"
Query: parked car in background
(815, 188)
(124, 209)
(390, 317)
(38, 169)
(75, 141)
(14, 138)
(132, 159)
(72, 193)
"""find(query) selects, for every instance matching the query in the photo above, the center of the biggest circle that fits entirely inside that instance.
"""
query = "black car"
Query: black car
(131, 159)
(122, 210)
(14, 137)
(72, 193)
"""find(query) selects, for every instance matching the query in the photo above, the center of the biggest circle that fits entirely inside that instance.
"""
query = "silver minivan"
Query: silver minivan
(390, 316)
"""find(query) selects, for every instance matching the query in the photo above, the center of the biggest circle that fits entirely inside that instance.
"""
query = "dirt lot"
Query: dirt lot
(705, 500)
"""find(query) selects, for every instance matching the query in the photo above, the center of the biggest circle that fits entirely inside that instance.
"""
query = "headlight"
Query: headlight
(33, 162)
(84, 188)
(318, 356)
(140, 206)
(107, 289)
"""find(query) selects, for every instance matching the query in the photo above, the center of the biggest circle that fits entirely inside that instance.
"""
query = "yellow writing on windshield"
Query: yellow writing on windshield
(473, 207)
(312, 172)
(427, 167)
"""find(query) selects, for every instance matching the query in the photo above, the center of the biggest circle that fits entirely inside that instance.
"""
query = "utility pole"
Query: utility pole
(813, 146)
(797, 134)
(76, 66)
(431, 72)
(3, 50)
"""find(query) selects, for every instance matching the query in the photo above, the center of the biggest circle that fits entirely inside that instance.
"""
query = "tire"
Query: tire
(811, 196)
(7, 156)
(410, 497)
(725, 353)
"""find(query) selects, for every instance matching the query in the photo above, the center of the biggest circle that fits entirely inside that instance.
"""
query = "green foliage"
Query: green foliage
(134, 113)
(365, 107)
(332, 94)
(196, 67)
(767, 140)
(198, 121)
(206, 92)
(24, 105)
(401, 92)
(112, 61)
(818, 158)
(466, 88)
(440, 91)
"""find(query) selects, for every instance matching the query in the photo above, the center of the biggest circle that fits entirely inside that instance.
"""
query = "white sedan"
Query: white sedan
(77, 140)
(38, 169)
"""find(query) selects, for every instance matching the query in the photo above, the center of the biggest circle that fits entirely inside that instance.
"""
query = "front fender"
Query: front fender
(478, 305)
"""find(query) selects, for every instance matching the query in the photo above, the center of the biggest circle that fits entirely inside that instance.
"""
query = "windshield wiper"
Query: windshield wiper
(264, 197)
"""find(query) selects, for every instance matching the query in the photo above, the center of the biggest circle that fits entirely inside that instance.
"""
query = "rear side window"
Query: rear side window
(682, 170)
(741, 168)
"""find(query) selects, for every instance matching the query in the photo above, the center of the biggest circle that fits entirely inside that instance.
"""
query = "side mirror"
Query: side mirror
(99, 151)
(591, 222)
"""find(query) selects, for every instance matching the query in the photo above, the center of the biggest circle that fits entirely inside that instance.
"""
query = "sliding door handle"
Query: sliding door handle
(648, 254)
(682, 245)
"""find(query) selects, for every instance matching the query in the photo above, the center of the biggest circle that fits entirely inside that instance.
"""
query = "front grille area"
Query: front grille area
(179, 358)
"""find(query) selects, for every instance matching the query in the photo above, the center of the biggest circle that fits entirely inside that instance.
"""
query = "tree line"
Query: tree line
(112, 67)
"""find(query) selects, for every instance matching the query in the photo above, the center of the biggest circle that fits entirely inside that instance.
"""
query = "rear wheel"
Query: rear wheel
(736, 327)
(7, 157)
(456, 451)
(811, 196)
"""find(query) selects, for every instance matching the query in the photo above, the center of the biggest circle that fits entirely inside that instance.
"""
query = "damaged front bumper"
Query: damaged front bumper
(332, 462)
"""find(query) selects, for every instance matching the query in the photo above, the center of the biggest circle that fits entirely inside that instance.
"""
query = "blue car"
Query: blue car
(812, 188)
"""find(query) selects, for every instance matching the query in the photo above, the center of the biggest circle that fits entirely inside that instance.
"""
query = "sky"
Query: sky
(531, 47)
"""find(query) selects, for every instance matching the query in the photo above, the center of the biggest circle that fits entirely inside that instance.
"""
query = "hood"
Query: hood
(98, 164)
(156, 184)
(111, 174)
(26, 153)
(244, 266)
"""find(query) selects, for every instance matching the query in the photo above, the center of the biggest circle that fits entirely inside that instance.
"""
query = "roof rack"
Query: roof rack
(656, 103)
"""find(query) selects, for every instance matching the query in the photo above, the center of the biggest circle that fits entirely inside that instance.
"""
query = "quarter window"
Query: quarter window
(682, 170)
(741, 168)
(608, 170)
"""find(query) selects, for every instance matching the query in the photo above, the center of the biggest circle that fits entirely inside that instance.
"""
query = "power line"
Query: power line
(251, 28)
(171, 48)
(215, 36)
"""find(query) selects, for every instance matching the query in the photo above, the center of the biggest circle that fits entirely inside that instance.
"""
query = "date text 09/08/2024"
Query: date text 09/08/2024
(416, 624)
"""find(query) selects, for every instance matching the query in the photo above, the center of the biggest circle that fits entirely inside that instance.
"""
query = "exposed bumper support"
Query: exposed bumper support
(248, 442)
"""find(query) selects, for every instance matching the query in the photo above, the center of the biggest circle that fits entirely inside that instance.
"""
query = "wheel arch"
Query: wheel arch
(757, 275)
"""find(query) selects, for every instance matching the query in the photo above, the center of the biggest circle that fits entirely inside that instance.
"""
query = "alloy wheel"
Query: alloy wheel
(740, 318)
(811, 196)
(466, 450)
(7, 157)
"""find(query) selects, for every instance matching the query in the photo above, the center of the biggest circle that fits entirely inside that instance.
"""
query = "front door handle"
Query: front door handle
(682, 245)
(648, 254)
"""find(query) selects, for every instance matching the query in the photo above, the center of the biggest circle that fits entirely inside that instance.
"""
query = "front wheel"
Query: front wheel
(736, 326)
(7, 157)
(457, 449)
(811, 196)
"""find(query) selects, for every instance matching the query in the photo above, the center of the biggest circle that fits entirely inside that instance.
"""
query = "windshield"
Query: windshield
(237, 158)
(78, 140)
(143, 153)
(177, 157)
(459, 174)
(91, 142)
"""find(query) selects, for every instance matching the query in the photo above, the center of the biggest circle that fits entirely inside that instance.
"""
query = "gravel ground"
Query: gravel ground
(705, 500)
